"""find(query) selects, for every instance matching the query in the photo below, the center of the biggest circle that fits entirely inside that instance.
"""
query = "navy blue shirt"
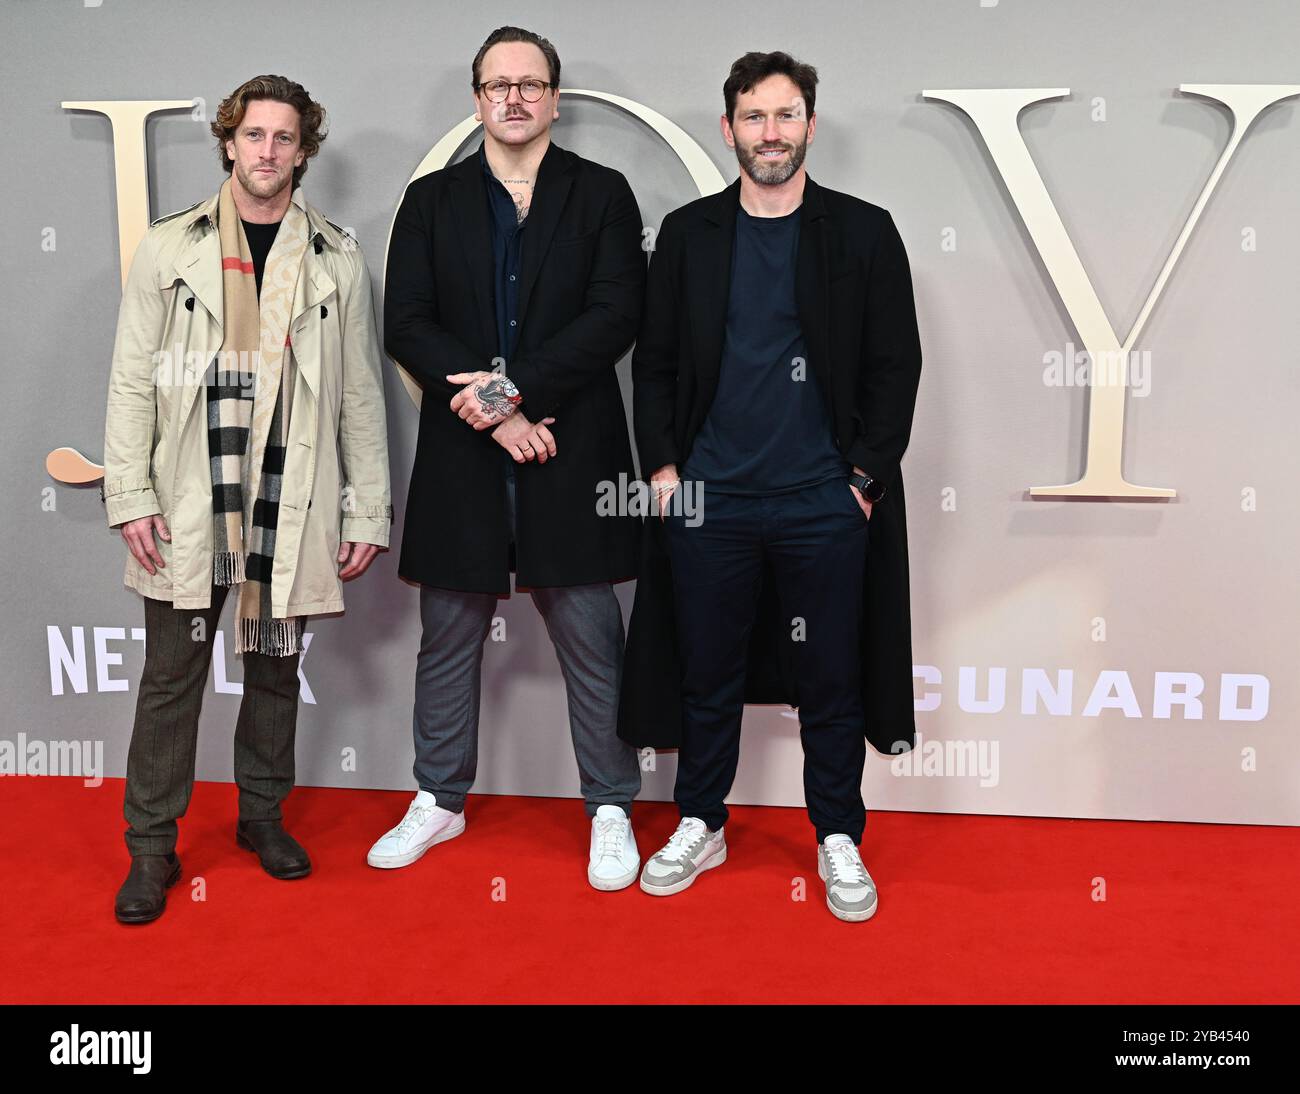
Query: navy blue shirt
(506, 242)
(767, 430)
(506, 233)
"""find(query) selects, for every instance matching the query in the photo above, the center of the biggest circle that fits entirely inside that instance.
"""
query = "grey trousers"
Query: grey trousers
(164, 740)
(586, 628)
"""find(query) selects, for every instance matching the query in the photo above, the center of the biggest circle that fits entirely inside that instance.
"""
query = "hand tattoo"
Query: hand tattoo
(497, 397)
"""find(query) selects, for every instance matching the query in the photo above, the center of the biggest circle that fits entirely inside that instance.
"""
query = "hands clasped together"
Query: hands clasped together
(488, 400)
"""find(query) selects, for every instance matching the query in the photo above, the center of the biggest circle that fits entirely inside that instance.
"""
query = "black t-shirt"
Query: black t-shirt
(767, 430)
(260, 237)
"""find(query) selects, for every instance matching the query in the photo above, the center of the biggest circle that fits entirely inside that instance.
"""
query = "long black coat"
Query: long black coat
(854, 295)
(582, 284)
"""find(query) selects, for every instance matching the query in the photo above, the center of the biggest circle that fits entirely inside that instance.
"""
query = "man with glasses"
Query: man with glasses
(777, 369)
(514, 285)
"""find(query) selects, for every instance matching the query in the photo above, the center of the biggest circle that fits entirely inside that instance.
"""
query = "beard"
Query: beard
(771, 174)
(262, 186)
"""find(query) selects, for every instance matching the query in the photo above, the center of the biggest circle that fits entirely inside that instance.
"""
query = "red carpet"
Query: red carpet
(972, 909)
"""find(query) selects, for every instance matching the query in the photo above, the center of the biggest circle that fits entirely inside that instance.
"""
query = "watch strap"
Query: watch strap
(870, 488)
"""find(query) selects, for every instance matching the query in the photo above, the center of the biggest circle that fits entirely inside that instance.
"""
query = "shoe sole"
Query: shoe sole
(677, 886)
(396, 862)
(247, 846)
(839, 913)
(171, 880)
(612, 885)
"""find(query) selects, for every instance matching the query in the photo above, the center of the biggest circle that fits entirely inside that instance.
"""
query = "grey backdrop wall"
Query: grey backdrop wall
(1005, 588)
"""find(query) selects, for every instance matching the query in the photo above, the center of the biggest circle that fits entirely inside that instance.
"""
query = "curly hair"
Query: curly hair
(280, 89)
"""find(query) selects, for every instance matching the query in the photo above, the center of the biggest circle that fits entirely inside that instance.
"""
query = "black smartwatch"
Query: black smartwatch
(871, 489)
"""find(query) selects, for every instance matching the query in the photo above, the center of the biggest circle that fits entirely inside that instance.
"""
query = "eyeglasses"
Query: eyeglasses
(498, 91)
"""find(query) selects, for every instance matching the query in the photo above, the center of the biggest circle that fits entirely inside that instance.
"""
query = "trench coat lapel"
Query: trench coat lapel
(199, 266)
(314, 286)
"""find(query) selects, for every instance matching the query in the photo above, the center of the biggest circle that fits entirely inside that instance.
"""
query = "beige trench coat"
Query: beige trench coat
(335, 485)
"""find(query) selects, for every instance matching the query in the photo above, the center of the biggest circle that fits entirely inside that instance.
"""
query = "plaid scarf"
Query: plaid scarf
(249, 397)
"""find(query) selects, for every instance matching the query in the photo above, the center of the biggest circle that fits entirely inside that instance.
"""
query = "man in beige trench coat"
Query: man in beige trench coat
(245, 448)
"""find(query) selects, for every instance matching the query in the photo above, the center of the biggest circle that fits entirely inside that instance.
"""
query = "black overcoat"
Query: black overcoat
(582, 284)
(856, 307)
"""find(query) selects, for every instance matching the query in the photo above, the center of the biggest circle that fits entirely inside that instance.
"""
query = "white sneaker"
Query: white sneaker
(850, 892)
(691, 850)
(425, 824)
(615, 859)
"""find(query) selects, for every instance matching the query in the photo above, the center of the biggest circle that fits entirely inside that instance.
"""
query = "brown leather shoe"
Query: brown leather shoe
(281, 855)
(143, 895)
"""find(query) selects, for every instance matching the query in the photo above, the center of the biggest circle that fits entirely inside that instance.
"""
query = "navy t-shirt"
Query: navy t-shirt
(767, 430)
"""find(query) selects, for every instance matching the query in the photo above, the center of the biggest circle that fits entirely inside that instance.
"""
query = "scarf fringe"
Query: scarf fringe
(228, 568)
(274, 637)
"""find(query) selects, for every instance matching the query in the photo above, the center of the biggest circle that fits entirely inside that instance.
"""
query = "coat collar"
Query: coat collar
(198, 262)
(720, 208)
(317, 225)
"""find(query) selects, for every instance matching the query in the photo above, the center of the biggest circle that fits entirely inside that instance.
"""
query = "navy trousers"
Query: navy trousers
(815, 541)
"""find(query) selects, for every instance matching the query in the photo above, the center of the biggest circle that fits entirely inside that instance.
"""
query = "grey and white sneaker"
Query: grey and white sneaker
(850, 892)
(425, 824)
(691, 850)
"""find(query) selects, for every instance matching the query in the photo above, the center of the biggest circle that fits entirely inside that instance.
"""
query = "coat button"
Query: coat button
(189, 303)
(324, 311)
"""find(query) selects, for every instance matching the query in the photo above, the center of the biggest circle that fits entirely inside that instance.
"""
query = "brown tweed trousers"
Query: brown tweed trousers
(160, 763)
